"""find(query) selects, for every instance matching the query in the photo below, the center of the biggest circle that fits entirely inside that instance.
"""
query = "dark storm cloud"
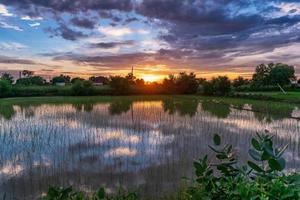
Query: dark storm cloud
(209, 31)
(70, 6)
(66, 32)
(109, 45)
(175, 58)
(214, 25)
(56, 8)
(83, 22)
(13, 60)
(105, 60)
(131, 19)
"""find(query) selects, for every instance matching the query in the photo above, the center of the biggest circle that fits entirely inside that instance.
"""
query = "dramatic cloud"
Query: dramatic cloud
(71, 6)
(109, 45)
(83, 23)
(66, 32)
(11, 60)
(223, 35)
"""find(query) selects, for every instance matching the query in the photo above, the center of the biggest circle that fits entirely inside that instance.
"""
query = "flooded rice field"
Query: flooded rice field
(147, 144)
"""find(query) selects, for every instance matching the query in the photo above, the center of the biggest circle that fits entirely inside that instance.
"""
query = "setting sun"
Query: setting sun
(151, 78)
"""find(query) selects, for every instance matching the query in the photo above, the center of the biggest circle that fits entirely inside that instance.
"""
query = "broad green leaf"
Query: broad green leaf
(269, 150)
(255, 166)
(281, 162)
(255, 144)
(217, 140)
(276, 165)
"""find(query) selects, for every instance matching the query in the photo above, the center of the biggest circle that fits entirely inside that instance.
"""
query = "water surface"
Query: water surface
(145, 143)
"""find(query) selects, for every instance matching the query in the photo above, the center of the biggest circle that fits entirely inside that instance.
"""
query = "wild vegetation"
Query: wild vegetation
(268, 77)
(222, 177)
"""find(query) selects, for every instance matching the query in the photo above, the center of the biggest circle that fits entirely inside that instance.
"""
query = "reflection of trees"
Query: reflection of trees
(87, 107)
(119, 107)
(183, 107)
(28, 110)
(7, 111)
(216, 109)
(269, 112)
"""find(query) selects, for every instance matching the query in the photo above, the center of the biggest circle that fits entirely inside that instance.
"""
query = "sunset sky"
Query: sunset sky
(157, 37)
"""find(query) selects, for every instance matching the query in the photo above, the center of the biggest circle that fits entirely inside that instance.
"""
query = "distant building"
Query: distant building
(98, 83)
(60, 84)
(99, 80)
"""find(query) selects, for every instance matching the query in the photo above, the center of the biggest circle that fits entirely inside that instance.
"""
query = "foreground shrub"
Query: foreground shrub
(120, 85)
(220, 85)
(32, 80)
(261, 179)
(5, 88)
(82, 88)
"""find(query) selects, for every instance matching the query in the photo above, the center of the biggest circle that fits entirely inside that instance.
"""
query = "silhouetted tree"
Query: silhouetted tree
(169, 84)
(273, 74)
(61, 79)
(131, 78)
(5, 88)
(82, 88)
(282, 74)
(239, 81)
(99, 80)
(120, 84)
(32, 80)
(27, 73)
(186, 83)
(8, 77)
(217, 86)
(140, 82)
(73, 80)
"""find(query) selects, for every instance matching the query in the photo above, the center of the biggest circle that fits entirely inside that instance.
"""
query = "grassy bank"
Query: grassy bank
(290, 97)
(51, 90)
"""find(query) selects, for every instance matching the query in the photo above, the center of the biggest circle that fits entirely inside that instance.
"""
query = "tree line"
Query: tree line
(266, 77)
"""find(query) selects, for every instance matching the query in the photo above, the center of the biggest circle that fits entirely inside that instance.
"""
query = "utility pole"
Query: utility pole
(132, 70)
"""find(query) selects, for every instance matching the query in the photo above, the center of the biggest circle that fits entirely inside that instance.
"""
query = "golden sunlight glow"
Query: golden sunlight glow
(151, 78)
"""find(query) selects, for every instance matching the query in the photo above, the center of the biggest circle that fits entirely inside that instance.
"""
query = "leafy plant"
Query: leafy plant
(82, 88)
(260, 179)
(5, 88)
(270, 157)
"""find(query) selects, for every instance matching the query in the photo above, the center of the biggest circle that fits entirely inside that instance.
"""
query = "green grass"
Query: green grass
(291, 97)
(51, 90)
(95, 99)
